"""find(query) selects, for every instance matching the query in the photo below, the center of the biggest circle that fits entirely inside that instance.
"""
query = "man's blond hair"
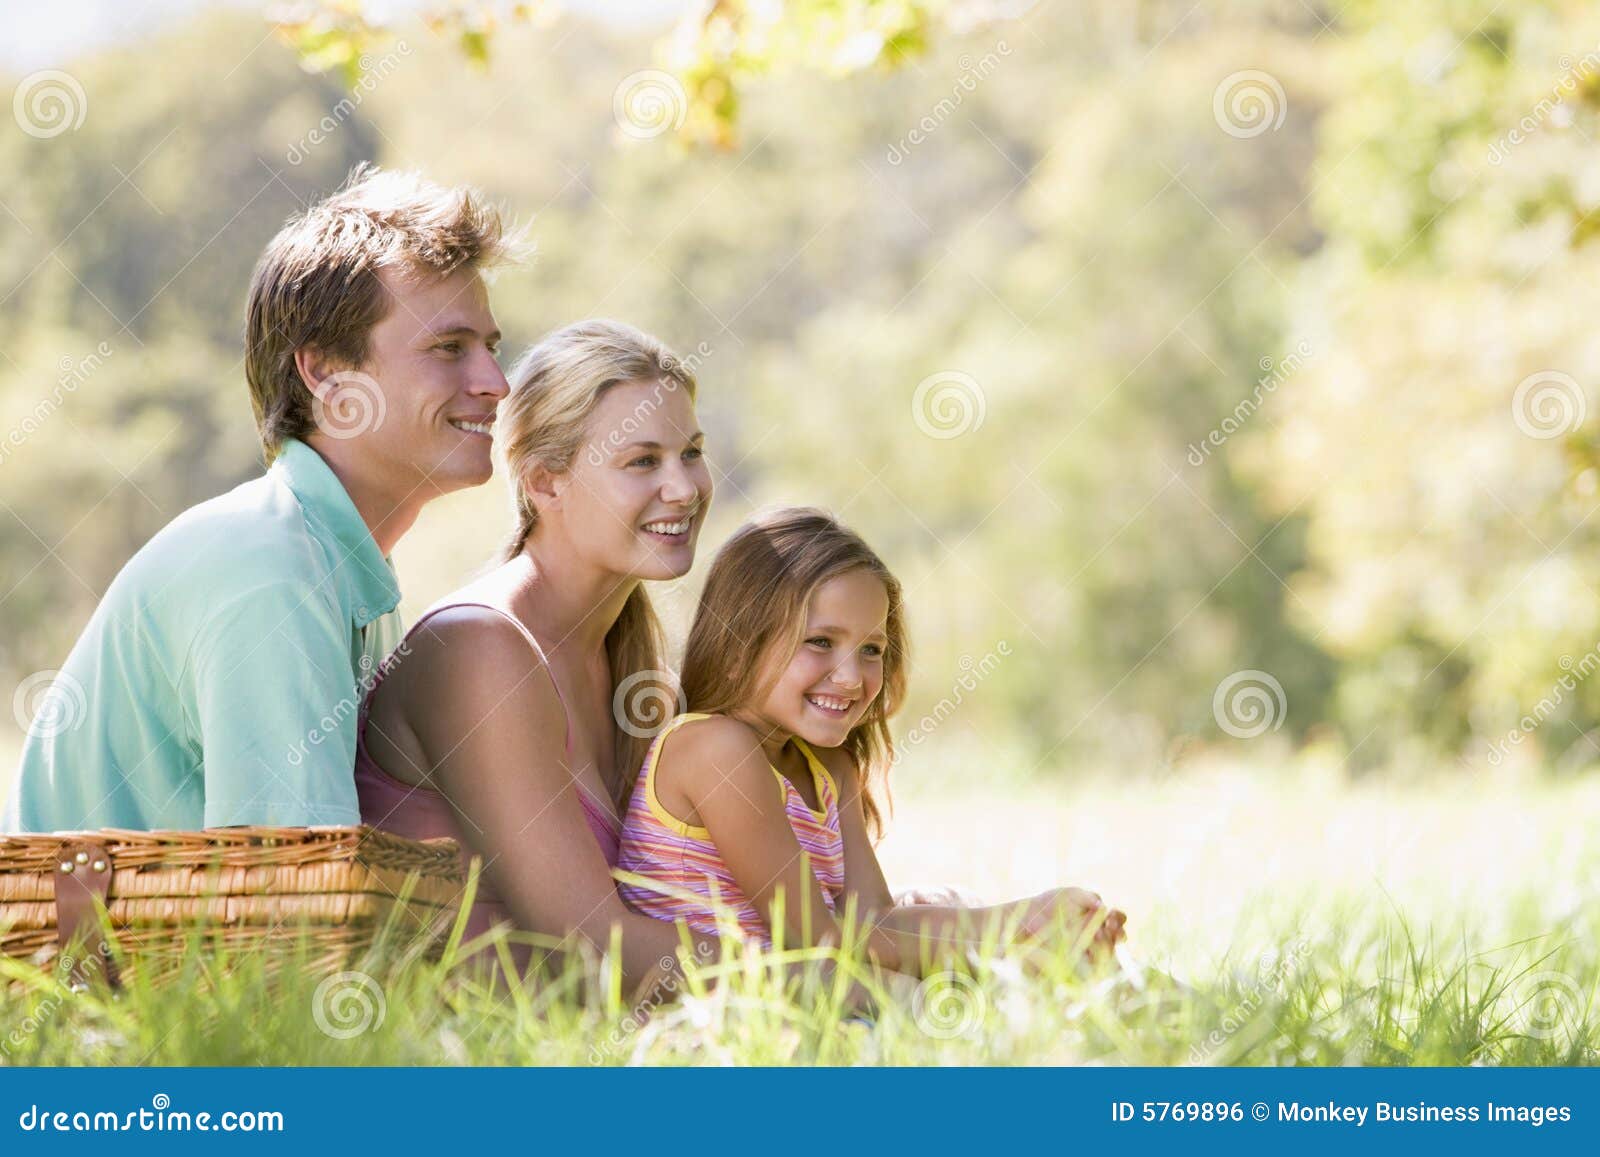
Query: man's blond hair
(317, 281)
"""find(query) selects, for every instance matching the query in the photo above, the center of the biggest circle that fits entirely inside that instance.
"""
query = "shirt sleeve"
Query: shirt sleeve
(275, 702)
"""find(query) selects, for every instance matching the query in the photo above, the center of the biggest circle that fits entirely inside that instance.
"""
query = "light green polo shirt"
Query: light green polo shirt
(219, 679)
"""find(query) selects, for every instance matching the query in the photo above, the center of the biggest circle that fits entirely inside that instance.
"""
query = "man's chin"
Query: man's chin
(449, 477)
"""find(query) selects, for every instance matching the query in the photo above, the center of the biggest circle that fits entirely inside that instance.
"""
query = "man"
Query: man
(219, 679)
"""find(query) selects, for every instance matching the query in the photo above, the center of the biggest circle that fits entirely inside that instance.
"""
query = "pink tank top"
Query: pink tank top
(423, 813)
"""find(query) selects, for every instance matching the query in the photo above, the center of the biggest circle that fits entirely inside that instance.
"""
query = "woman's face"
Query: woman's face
(636, 495)
(837, 671)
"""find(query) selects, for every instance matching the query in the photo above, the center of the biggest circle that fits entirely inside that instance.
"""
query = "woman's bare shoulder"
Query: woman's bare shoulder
(469, 658)
(467, 636)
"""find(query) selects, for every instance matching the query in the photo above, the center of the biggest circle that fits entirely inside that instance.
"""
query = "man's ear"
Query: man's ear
(315, 367)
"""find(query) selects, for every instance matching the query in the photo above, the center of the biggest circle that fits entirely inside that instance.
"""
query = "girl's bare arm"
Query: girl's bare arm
(718, 764)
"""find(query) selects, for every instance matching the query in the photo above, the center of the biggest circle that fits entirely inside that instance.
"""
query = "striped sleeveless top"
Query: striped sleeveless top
(690, 876)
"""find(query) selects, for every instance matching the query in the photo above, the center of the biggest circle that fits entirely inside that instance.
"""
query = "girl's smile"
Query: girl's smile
(831, 705)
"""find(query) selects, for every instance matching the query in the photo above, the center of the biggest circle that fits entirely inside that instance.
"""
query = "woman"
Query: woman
(462, 735)
(459, 736)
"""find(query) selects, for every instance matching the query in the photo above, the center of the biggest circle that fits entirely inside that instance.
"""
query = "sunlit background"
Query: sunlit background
(1219, 379)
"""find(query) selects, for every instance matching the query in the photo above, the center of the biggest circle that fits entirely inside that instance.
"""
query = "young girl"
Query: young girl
(762, 798)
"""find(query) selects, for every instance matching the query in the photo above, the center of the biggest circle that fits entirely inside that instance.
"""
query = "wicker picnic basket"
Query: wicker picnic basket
(329, 888)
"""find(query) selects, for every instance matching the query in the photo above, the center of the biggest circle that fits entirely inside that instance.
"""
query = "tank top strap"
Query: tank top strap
(827, 790)
(566, 716)
(673, 724)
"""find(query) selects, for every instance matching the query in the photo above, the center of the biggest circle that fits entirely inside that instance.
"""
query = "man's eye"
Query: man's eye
(449, 347)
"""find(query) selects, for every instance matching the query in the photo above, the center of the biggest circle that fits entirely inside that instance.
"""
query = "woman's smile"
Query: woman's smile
(671, 531)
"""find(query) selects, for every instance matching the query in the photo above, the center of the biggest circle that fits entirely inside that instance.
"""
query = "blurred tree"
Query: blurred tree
(1444, 453)
(1155, 344)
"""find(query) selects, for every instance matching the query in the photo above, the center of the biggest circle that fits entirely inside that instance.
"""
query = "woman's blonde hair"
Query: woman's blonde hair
(754, 605)
(543, 422)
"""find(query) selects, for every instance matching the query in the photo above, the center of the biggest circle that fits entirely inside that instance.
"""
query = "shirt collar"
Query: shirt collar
(362, 568)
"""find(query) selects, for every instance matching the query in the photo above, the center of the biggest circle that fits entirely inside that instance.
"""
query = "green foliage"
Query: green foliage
(715, 51)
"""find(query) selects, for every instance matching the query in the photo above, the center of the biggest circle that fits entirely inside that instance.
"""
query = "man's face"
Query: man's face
(424, 399)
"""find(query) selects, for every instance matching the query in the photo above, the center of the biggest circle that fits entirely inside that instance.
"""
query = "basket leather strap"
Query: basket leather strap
(83, 878)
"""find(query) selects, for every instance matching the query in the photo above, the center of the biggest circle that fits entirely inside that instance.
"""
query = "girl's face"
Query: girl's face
(837, 671)
(636, 495)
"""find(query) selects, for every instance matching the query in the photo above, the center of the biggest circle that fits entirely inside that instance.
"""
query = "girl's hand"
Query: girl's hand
(1075, 909)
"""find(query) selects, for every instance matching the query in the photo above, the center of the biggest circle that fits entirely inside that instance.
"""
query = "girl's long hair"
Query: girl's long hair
(754, 605)
(544, 421)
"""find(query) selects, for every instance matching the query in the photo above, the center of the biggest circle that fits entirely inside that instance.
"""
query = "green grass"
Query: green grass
(1306, 923)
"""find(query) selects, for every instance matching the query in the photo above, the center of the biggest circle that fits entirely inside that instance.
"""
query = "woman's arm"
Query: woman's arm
(923, 936)
(927, 936)
(718, 765)
(486, 713)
